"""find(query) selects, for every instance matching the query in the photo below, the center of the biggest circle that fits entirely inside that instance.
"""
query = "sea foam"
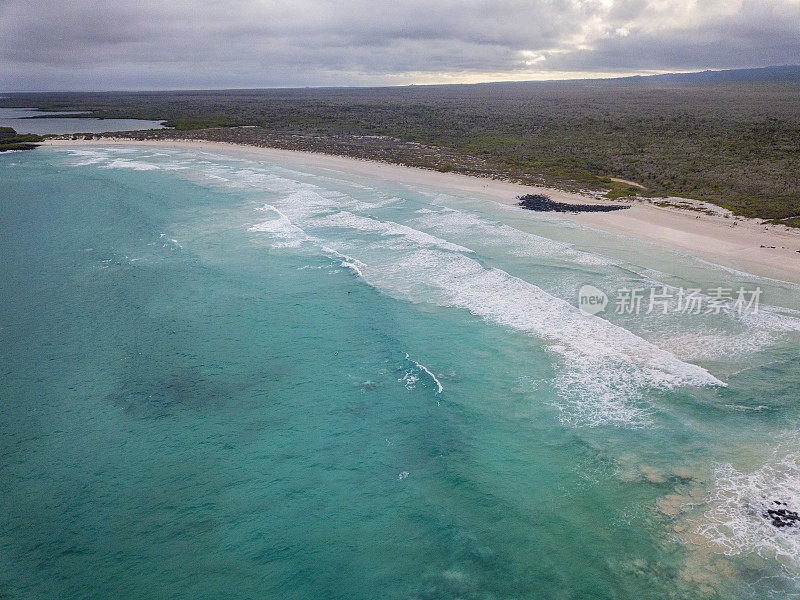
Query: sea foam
(734, 520)
(496, 234)
(136, 165)
(421, 367)
(281, 228)
(348, 220)
(605, 369)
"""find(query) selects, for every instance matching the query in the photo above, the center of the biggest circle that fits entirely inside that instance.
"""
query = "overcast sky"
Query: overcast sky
(171, 44)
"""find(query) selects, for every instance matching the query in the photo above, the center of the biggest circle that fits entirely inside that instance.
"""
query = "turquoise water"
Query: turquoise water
(224, 378)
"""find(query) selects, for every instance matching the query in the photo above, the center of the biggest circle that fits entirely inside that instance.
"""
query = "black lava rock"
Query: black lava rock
(781, 516)
(543, 203)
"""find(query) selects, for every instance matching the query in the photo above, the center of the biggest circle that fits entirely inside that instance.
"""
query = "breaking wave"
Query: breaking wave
(421, 367)
(604, 369)
(737, 521)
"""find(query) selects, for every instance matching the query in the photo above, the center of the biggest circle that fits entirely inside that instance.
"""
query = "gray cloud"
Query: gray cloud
(83, 44)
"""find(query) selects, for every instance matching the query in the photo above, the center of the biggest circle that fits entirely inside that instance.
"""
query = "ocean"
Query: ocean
(225, 378)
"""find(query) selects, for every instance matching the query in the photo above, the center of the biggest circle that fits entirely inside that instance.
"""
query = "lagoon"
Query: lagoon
(18, 119)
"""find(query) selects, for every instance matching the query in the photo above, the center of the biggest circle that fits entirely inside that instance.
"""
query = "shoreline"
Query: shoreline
(771, 251)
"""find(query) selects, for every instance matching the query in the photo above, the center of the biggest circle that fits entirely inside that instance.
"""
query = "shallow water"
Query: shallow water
(18, 119)
(224, 378)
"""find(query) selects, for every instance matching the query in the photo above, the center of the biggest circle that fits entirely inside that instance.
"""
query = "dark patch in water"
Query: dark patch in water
(184, 388)
(781, 516)
(154, 395)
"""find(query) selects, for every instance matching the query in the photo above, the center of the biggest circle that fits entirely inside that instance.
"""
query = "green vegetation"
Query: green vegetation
(10, 140)
(620, 190)
(789, 221)
(730, 140)
(187, 123)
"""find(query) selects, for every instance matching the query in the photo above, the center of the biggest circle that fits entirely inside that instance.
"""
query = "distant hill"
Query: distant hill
(785, 73)
(760, 75)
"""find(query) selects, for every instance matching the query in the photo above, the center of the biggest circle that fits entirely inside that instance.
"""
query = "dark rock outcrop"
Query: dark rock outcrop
(780, 515)
(543, 203)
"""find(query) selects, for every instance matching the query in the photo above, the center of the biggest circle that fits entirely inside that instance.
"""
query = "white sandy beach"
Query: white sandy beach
(769, 251)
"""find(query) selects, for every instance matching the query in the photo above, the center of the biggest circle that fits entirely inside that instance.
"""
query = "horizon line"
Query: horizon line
(399, 85)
